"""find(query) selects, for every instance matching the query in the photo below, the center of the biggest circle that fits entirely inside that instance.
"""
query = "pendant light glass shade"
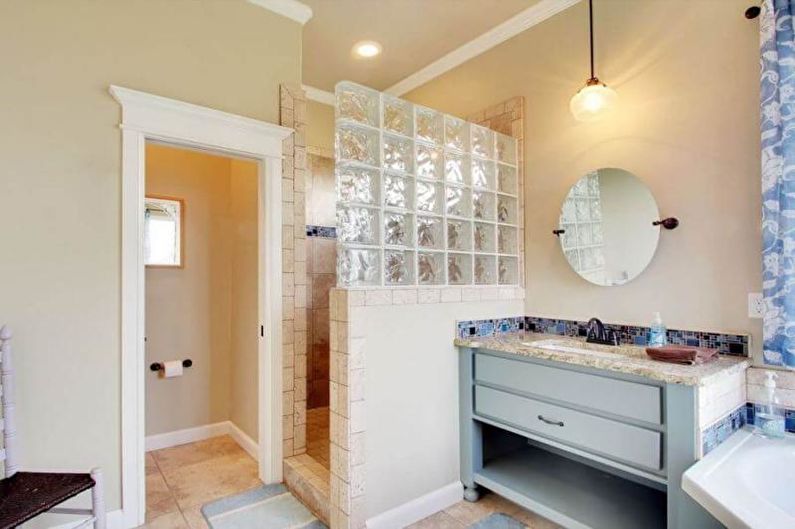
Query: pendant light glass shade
(593, 101)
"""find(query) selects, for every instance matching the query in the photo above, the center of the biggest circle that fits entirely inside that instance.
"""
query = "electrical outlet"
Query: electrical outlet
(756, 305)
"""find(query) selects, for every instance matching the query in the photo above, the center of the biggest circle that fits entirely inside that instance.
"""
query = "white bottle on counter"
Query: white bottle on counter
(769, 420)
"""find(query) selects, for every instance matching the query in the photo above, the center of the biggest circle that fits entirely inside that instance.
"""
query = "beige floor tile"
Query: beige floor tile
(173, 520)
(169, 459)
(201, 482)
(159, 499)
(468, 513)
(151, 466)
(195, 518)
(440, 520)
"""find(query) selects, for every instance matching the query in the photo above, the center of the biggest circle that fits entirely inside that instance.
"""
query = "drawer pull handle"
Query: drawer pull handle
(548, 421)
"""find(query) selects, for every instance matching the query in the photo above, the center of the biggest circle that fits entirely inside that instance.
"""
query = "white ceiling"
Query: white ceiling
(413, 33)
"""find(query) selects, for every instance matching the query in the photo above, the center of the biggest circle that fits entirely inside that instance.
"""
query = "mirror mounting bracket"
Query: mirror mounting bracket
(558, 233)
(669, 223)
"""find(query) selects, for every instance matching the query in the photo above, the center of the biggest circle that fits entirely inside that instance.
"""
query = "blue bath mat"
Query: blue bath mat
(270, 506)
(498, 520)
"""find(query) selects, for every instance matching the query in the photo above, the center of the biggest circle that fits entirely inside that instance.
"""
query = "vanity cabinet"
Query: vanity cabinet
(586, 448)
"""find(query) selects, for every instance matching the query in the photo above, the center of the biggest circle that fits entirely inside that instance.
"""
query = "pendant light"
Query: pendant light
(595, 98)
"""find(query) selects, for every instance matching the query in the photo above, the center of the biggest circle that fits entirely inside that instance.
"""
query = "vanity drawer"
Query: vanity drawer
(612, 439)
(620, 397)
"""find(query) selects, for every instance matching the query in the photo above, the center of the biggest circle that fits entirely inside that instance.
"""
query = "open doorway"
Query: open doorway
(201, 283)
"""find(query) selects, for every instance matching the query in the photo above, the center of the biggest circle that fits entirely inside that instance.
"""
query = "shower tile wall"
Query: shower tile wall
(321, 275)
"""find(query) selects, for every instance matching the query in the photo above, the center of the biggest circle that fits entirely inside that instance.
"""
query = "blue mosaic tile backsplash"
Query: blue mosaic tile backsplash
(327, 232)
(732, 344)
(714, 435)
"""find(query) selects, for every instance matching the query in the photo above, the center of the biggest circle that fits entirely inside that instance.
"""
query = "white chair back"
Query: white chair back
(8, 454)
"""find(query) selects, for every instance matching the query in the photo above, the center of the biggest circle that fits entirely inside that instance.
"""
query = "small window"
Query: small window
(163, 225)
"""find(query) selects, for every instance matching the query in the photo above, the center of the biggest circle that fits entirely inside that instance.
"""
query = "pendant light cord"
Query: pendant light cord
(590, 31)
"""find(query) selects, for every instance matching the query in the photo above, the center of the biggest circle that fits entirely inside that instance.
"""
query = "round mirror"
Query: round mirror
(606, 227)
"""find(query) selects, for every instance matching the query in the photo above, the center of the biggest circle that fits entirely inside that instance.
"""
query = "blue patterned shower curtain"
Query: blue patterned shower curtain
(778, 180)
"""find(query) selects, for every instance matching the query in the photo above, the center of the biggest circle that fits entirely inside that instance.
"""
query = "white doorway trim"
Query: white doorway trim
(147, 117)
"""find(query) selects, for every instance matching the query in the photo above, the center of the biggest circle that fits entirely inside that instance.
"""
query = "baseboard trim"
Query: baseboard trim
(115, 520)
(200, 433)
(418, 508)
(246, 443)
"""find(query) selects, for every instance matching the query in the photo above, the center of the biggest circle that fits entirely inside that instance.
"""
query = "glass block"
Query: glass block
(582, 206)
(483, 173)
(398, 191)
(596, 209)
(398, 116)
(573, 259)
(357, 266)
(398, 267)
(568, 211)
(456, 168)
(430, 268)
(356, 103)
(506, 148)
(398, 154)
(459, 269)
(508, 271)
(584, 235)
(459, 235)
(506, 179)
(429, 197)
(507, 239)
(596, 233)
(430, 161)
(357, 184)
(456, 134)
(482, 141)
(357, 225)
(398, 229)
(458, 201)
(430, 125)
(484, 238)
(429, 232)
(506, 209)
(357, 144)
(593, 184)
(485, 273)
(568, 239)
(580, 189)
(483, 206)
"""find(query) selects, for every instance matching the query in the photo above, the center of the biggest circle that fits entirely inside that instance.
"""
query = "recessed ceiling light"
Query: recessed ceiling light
(366, 49)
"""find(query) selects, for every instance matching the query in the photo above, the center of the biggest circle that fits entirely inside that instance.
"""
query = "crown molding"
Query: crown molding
(497, 35)
(292, 9)
(318, 95)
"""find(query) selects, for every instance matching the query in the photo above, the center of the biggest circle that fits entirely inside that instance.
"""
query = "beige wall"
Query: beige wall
(61, 151)
(244, 379)
(188, 309)
(320, 127)
(687, 76)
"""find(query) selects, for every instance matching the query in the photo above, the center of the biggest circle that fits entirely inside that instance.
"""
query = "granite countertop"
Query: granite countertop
(623, 358)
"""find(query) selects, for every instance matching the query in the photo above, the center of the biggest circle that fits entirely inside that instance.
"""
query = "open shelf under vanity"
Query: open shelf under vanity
(572, 493)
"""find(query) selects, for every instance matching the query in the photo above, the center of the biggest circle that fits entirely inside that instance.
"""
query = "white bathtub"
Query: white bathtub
(748, 482)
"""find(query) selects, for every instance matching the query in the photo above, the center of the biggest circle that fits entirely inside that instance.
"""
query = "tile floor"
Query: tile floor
(179, 480)
(317, 435)
(463, 514)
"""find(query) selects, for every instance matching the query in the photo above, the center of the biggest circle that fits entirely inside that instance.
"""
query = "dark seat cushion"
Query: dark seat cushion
(28, 494)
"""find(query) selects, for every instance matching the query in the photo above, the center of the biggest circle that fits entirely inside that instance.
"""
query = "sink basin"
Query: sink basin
(571, 346)
(747, 482)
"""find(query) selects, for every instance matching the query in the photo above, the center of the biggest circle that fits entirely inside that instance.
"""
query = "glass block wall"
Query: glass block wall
(581, 217)
(423, 198)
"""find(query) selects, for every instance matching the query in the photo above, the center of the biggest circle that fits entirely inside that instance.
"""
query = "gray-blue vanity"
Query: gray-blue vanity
(588, 437)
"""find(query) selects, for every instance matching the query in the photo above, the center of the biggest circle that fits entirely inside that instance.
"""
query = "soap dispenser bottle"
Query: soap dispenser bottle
(769, 420)
(658, 333)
